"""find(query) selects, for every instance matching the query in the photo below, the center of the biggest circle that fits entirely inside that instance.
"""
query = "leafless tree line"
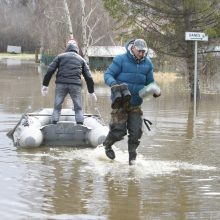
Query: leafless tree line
(38, 23)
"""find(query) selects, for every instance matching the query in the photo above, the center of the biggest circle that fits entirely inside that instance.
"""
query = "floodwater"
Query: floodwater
(176, 176)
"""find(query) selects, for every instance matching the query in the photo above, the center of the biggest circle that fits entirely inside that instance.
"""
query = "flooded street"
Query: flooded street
(176, 176)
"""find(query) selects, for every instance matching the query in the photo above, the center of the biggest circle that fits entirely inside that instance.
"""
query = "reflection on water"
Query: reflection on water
(11, 62)
(176, 175)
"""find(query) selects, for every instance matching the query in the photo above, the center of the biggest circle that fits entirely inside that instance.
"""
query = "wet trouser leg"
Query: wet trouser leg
(117, 127)
(117, 131)
(134, 126)
(75, 94)
(60, 93)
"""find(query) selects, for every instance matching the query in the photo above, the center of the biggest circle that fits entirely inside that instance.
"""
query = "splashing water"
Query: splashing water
(95, 161)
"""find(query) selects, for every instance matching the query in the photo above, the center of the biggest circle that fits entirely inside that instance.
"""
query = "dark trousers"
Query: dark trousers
(123, 122)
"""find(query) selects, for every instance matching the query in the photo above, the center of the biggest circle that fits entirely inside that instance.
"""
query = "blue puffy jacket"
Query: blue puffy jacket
(126, 69)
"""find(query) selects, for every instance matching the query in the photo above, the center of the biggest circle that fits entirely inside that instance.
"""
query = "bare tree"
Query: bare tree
(68, 19)
(49, 24)
(87, 30)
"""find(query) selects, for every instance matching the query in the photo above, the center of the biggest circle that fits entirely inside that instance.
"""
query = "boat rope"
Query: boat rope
(11, 132)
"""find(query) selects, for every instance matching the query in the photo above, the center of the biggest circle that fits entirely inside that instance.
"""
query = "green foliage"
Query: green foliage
(164, 23)
(113, 6)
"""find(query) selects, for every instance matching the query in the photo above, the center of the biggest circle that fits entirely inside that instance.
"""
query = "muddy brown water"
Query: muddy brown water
(176, 175)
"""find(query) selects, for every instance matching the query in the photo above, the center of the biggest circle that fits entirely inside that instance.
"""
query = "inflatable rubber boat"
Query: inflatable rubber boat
(35, 129)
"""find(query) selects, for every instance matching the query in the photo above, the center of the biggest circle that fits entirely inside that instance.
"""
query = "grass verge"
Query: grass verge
(21, 56)
(159, 77)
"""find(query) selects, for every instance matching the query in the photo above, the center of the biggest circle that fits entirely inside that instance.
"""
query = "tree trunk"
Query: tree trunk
(84, 34)
(68, 19)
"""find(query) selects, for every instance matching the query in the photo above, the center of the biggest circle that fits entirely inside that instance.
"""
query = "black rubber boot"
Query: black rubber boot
(110, 153)
(126, 95)
(132, 157)
(116, 97)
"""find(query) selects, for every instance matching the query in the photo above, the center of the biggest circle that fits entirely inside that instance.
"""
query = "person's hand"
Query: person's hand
(93, 96)
(156, 92)
(156, 95)
(113, 84)
(44, 90)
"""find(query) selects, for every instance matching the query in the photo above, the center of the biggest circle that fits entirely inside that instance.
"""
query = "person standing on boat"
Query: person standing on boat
(70, 66)
(126, 76)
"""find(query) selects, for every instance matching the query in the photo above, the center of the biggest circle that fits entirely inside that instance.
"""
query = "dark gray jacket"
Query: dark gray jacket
(70, 66)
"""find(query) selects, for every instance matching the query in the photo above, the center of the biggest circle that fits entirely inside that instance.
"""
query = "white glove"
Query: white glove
(44, 90)
(93, 96)
(150, 89)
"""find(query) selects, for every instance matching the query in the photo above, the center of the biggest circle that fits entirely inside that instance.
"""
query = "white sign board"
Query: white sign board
(13, 49)
(196, 36)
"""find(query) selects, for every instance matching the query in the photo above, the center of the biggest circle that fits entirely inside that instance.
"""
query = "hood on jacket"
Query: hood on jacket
(128, 48)
(72, 48)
